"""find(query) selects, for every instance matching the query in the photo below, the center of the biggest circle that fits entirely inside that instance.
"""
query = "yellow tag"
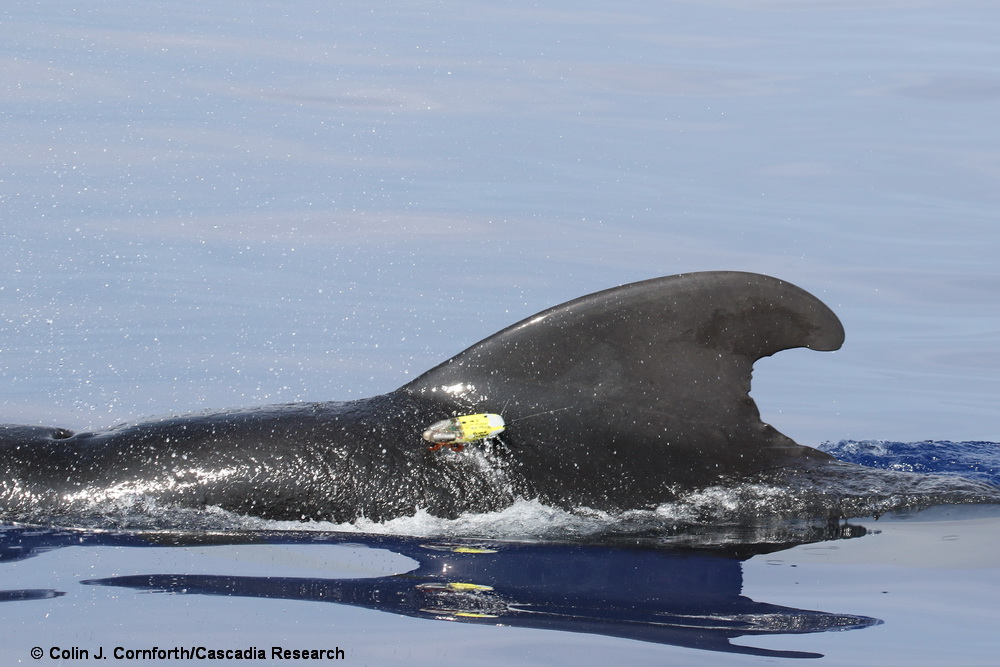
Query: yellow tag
(464, 429)
(477, 427)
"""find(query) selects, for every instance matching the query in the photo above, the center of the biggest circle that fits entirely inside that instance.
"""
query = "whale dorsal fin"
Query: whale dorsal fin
(666, 361)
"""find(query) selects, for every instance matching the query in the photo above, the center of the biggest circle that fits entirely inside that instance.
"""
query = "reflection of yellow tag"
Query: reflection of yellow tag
(462, 586)
(464, 429)
(459, 548)
(455, 613)
(473, 550)
(453, 586)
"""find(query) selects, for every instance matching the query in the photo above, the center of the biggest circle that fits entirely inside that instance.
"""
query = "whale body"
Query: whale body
(618, 400)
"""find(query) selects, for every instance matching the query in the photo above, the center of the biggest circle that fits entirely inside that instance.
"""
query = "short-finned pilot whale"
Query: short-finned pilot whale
(617, 400)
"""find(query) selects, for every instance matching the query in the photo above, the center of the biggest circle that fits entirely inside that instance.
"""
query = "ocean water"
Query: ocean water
(913, 588)
(212, 204)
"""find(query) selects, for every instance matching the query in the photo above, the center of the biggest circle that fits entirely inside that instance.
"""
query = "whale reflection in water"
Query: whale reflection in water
(688, 597)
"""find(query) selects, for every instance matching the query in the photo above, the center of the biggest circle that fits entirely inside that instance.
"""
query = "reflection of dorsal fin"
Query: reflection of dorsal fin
(665, 360)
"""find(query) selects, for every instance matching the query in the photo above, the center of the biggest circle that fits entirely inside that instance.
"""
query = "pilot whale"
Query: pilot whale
(618, 400)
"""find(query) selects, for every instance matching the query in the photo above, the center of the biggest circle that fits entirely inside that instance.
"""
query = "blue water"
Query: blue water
(216, 205)
(971, 460)
(639, 594)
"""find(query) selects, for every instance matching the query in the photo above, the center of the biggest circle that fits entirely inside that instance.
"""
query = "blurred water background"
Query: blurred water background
(211, 204)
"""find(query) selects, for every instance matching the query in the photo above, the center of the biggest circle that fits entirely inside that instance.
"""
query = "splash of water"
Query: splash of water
(772, 508)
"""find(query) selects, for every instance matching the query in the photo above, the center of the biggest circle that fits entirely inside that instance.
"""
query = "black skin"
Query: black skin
(620, 399)
(334, 461)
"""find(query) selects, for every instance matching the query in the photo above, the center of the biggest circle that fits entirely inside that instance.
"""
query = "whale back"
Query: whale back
(657, 370)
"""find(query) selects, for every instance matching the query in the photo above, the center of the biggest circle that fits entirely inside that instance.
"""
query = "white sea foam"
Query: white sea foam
(763, 509)
(527, 519)
(709, 509)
